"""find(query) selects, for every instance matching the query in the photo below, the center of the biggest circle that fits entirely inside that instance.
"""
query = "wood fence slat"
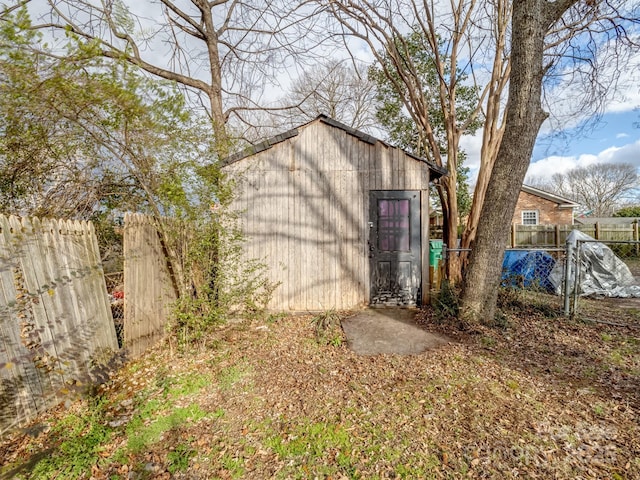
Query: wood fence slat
(148, 289)
(556, 235)
(48, 281)
(18, 403)
(32, 317)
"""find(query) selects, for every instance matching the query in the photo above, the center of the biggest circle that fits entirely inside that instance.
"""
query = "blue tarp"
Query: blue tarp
(527, 269)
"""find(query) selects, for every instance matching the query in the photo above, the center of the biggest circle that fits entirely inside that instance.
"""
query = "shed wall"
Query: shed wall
(305, 212)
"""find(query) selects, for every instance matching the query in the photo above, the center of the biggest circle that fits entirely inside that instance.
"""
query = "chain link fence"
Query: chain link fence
(530, 276)
(527, 268)
(603, 281)
(594, 280)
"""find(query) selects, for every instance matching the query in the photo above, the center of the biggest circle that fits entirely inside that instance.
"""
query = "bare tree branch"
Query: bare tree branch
(224, 50)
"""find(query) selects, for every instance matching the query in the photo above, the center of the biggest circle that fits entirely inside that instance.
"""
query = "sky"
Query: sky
(613, 139)
(581, 140)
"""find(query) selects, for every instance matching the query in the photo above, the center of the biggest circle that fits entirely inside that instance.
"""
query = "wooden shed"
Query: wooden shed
(340, 218)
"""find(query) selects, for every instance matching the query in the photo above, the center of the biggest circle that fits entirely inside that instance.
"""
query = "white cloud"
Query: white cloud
(546, 167)
(472, 146)
(571, 101)
(622, 135)
(627, 96)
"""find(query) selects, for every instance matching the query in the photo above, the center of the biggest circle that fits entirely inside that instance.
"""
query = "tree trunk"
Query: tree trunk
(214, 91)
(524, 116)
(450, 228)
(494, 123)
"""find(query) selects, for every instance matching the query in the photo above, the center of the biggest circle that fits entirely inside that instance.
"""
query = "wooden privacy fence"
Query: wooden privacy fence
(149, 290)
(55, 319)
(556, 235)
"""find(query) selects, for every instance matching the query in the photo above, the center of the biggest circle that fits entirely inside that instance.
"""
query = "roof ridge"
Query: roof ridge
(365, 137)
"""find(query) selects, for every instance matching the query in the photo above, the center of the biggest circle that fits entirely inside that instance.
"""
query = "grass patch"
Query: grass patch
(76, 443)
(189, 384)
(327, 328)
(179, 458)
(176, 386)
(233, 465)
(321, 447)
(142, 431)
(229, 377)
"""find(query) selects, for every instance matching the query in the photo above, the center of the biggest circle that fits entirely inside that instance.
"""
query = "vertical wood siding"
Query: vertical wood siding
(148, 290)
(54, 313)
(306, 212)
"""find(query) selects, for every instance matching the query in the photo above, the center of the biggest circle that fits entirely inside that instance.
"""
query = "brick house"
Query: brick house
(537, 207)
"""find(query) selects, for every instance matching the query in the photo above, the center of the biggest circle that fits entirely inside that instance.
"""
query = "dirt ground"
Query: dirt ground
(374, 331)
(535, 396)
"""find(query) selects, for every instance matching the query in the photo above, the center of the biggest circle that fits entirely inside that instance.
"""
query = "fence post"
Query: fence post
(513, 235)
(597, 232)
(577, 277)
(567, 277)
(635, 236)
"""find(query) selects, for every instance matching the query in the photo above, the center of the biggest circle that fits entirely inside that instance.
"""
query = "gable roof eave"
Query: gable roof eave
(436, 171)
(259, 147)
(561, 201)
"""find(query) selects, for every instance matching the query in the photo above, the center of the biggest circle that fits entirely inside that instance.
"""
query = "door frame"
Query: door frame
(420, 236)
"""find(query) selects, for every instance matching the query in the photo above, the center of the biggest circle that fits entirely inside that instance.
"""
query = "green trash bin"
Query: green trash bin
(435, 255)
(435, 252)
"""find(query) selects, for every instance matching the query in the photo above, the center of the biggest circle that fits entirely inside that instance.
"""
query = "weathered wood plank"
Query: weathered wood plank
(326, 211)
(35, 317)
(368, 185)
(320, 231)
(360, 227)
(18, 384)
(344, 241)
(295, 227)
(395, 169)
(48, 299)
(148, 288)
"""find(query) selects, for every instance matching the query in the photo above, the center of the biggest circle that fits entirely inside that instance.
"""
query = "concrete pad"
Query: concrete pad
(388, 330)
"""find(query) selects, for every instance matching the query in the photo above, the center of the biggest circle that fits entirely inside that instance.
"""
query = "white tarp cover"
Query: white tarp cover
(601, 271)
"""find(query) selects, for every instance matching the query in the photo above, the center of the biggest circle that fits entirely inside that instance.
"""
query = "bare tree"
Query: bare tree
(226, 51)
(337, 88)
(534, 22)
(471, 38)
(462, 37)
(601, 188)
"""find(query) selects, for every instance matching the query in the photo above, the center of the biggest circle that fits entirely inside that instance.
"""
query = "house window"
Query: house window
(530, 217)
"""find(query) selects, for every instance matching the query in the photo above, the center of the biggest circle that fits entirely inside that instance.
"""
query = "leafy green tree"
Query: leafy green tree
(87, 138)
(62, 122)
(392, 94)
(632, 211)
(464, 196)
